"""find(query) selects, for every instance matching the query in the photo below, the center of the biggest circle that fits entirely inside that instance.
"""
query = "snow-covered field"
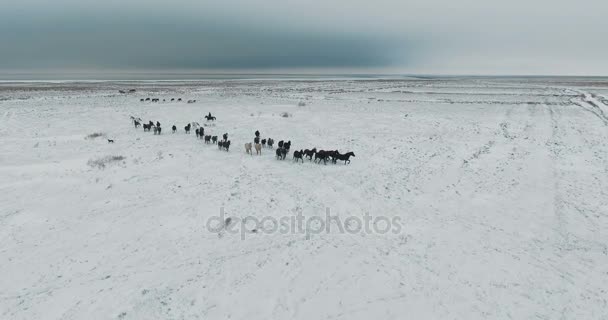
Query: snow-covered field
(500, 187)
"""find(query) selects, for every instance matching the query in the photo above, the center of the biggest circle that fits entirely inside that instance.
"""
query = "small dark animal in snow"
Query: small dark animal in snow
(110, 141)
(310, 153)
(174, 128)
(281, 153)
(297, 155)
(321, 155)
(345, 157)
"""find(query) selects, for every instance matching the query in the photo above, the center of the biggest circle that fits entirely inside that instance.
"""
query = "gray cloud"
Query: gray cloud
(441, 36)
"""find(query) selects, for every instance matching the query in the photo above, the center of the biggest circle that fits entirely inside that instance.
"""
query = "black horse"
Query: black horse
(297, 155)
(187, 128)
(310, 153)
(333, 155)
(136, 123)
(210, 118)
(287, 145)
(270, 142)
(256, 140)
(147, 127)
(321, 155)
(174, 128)
(281, 153)
(225, 136)
(196, 131)
(345, 157)
(208, 139)
(157, 130)
(263, 142)
(214, 139)
(280, 144)
(257, 133)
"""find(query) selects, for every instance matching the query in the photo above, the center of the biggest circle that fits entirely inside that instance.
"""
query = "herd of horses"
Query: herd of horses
(164, 100)
(283, 147)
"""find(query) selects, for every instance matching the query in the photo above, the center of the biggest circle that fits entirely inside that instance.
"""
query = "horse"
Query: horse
(210, 118)
(297, 155)
(310, 153)
(281, 153)
(141, 100)
(270, 143)
(280, 144)
(256, 140)
(201, 132)
(187, 128)
(147, 127)
(321, 155)
(333, 154)
(248, 148)
(136, 123)
(287, 145)
(225, 136)
(257, 134)
(264, 142)
(157, 124)
(224, 144)
(110, 141)
(208, 139)
(345, 157)
(174, 128)
(214, 139)
(196, 131)
(172, 99)
(258, 149)
(157, 130)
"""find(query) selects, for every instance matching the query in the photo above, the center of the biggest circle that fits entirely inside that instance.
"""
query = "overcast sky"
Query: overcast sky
(376, 36)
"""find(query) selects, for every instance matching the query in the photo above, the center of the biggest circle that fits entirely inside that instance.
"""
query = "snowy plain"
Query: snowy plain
(501, 185)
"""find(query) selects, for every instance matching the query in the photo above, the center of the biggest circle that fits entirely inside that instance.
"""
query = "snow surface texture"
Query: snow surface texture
(501, 186)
